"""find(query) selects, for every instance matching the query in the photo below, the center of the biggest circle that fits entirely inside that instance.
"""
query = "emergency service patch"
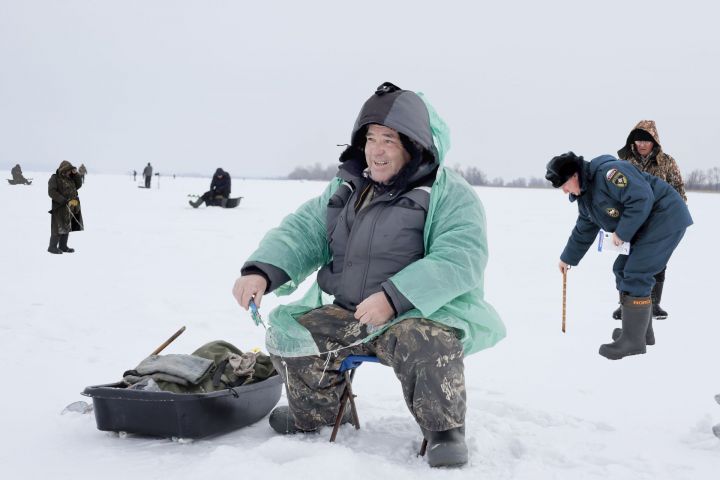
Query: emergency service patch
(613, 212)
(617, 178)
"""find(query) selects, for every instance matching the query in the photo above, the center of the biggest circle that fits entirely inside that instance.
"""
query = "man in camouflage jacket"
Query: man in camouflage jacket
(642, 148)
(66, 215)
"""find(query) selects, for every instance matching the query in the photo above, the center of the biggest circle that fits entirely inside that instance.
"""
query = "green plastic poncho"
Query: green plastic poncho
(445, 286)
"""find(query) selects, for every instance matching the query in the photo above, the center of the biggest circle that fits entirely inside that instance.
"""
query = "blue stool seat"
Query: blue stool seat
(354, 361)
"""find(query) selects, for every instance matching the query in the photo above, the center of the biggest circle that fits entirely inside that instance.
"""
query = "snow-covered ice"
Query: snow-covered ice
(541, 404)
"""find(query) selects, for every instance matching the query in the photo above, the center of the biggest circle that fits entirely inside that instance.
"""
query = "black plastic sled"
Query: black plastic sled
(182, 415)
(230, 203)
(13, 182)
(233, 202)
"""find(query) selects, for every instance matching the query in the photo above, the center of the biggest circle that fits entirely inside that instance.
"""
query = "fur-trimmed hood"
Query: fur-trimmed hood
(647, 126)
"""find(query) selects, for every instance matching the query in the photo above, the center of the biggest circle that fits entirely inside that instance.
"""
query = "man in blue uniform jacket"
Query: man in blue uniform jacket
(638, 208)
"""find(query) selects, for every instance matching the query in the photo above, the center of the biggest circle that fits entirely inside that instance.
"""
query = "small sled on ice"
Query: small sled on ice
(182, 415)
(17, 182)
(221, 202)
(238, 389)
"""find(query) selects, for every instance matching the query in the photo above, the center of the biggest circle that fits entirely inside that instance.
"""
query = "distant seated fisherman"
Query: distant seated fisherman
(219, 191)
(637, 208)
(17, 176)
(400, 244)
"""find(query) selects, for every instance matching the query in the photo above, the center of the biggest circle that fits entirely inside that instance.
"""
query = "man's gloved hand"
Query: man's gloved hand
(74, 203)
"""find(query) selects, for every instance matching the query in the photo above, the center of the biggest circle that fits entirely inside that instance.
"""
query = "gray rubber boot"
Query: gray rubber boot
(282, 422)
(657, 311)
(53, 248)
(617, 314)
(636, 314)
(649, 335)
(196, 203)
(446, 448)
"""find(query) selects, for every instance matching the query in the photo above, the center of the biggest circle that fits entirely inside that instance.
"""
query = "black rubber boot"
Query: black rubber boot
(649, 335)
(657, 311)
(63, 243)
(617, 314)
(53, 248)
(446, 448)
(636, 314)
(282, 422)
(197, 202)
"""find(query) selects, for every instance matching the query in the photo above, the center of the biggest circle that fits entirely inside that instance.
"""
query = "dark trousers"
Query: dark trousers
(427, 358)
(147, 182)
(635, 273)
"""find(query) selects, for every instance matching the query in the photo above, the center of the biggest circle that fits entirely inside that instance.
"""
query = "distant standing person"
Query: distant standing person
(219, 190)
(134, 175)
(642, 149)
(66, 215)
(17, 175)
(82, 171)
(147, 173)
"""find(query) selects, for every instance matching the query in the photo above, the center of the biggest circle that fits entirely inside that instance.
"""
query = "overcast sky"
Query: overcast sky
(260, 87)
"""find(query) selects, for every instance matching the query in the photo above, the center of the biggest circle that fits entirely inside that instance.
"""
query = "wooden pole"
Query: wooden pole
(168, 341)
(564, 299)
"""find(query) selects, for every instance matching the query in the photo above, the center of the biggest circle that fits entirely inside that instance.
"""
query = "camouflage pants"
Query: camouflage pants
(427, 359)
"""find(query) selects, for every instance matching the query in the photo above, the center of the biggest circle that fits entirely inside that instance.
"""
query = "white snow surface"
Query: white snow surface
(541, 404)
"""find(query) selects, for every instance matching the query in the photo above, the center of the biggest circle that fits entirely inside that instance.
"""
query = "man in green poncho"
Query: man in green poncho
(400, 245)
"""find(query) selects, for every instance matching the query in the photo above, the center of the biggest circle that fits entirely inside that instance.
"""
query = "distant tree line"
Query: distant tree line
(315, 172)
(705, 180)
(473, 175)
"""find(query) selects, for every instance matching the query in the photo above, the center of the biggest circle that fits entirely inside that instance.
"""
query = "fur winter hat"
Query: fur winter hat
(562, 167)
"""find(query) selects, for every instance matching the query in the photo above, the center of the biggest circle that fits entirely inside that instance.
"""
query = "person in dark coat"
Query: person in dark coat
(636, 207)
(147, 173)
(82, 171)
(17, 176)
(219, 192)
(66, 213)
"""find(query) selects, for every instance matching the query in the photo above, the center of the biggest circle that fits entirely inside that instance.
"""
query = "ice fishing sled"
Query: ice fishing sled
(216, 389)
(229, 203)
(14, 182)
(182, 415)
(232, 202)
